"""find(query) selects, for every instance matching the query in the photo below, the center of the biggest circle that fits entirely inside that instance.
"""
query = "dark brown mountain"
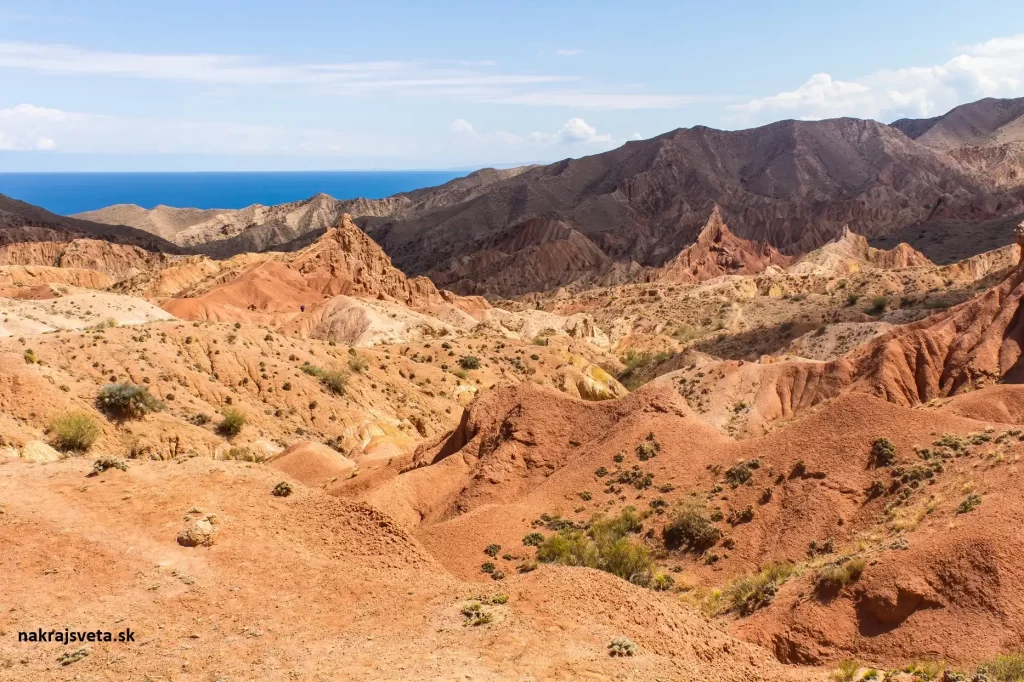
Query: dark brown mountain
(22, 222)
(793, 185)
(986, 137)
(985, 123)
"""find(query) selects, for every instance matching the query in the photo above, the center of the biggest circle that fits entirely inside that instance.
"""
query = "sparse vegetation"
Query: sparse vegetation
(690, 529)
(232, 422)
(605, 545)
(104, 463)
(475, 614)
(1005, 668)
(282, 489)
(846, 671)
(751, 593)
(358, 364)
(648, 448)
(468, 362)
(73, 431)
(621, 646)
(128, 400)
(492, 550)
(334, 381)
(835, 577)
(533, 539)
(883, 452)
(969, 503)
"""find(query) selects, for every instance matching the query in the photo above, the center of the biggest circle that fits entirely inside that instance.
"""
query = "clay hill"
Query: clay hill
(740, 466)
(793, 185)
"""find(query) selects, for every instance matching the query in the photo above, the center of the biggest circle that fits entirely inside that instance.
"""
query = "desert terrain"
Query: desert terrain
(765, 439)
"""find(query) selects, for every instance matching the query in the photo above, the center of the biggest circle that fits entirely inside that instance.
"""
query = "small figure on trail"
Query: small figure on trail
(302, 308)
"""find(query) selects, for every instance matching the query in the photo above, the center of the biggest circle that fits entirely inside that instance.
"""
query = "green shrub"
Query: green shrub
(739, 474)
(73, 431)
(469, 362)
(647, 449)
(200, 419)
(334, 381)
(690, 529)
(533, 539)
(488, 567)
(282, 489)
(30, 357)
(604, 545)
(232, 422)
(883, 452)
(492, 550)
(750, 593)
(128, 400)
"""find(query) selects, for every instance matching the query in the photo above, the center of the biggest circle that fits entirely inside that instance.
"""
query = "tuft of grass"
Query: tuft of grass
(334, 380)
(128, 400)
(831, 579)
(1005, 668)
(750, 593)
(846, 671)
(358, 364)
(30, 357)
(232, 422)
(73, 431)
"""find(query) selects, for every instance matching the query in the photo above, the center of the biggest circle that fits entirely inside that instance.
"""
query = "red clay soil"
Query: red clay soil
(302, 587)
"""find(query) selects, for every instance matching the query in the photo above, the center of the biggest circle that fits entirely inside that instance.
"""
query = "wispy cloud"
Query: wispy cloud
(609, 100)
(574, 133)
(26, 127)
(476, 80)
(991, 69)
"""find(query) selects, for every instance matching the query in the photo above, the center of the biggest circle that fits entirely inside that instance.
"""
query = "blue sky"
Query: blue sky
(224, 85)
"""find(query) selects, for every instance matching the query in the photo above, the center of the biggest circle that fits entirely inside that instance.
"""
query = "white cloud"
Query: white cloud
(991, 69)
(568, 52)
(576, 134)
(575, 131)
(461, 125)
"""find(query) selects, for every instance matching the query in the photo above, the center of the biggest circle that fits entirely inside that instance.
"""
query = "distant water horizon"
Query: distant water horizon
(67, 193)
